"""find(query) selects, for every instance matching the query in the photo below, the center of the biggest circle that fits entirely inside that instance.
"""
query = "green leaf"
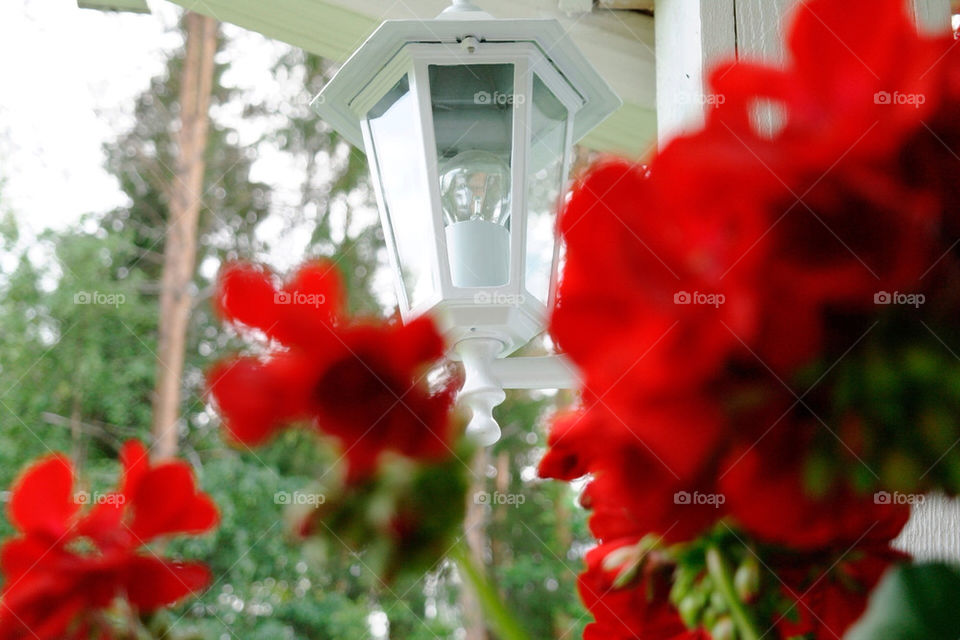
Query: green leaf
(911, 602)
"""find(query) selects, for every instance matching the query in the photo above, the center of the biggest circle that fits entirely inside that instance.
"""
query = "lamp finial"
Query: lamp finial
(464, 10)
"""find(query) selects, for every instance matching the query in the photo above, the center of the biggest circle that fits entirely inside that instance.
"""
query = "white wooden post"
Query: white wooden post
(692, 36)
(932, 15)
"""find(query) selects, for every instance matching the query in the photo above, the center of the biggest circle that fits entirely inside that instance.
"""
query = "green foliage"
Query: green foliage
(893, 402)
(536, 537)
(913, 601)
(75, 351)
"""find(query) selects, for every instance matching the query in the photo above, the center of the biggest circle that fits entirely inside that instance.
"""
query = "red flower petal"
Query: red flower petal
(297, 313)
(245, 294)
(257, 398)
(151, 583)
(640, 609)
(136, 463)
(311, 301)
(167, 502)
(19, 555)
(42, 501)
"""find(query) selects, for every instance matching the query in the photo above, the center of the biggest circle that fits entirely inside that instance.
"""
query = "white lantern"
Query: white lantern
(468, 124)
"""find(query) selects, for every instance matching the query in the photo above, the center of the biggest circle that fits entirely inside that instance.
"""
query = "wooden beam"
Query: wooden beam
(574, 7)
(620, 44)
(133, 6)
(635, 5)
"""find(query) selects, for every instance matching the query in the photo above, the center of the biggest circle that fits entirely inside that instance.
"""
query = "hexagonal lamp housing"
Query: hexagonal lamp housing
(468, 124)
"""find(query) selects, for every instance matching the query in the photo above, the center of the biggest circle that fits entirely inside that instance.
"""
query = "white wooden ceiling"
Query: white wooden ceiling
(619, 43)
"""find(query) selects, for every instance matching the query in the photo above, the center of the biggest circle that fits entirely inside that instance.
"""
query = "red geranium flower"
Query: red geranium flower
(361, 382)
(632, 492)
(634, 607)
(65, 565)
(850, 217)
(642, 305)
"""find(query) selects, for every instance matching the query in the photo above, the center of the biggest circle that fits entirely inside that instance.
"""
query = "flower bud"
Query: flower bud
(690, 609)
(723, 630)
(747, 579)
(717, 602)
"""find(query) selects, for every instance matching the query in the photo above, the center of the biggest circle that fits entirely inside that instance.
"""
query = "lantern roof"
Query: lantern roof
(460, 21)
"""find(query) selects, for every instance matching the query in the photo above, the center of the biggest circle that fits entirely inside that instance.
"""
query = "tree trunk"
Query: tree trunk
(179, 255)
(498, 547)
(476, 536)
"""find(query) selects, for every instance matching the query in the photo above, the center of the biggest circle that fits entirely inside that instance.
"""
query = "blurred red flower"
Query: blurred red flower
(632, 492)
(642, 305)
(628, 595)
(704, 293)
(362, 382)
(65, 565)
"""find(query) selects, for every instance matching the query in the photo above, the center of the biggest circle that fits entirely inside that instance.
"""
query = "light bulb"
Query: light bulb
(475, 185)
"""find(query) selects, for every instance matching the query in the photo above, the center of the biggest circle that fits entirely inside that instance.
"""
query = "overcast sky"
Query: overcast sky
(67, 79)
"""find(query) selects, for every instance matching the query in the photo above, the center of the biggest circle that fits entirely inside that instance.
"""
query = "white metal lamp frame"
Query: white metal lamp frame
(516, 322)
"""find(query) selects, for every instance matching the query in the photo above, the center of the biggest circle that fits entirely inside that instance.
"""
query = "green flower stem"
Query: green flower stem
(720, 572)
(500, 618)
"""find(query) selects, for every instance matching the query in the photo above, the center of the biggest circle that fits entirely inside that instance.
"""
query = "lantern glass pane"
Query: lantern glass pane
(473, 112)
(404, 185)
(545, 180)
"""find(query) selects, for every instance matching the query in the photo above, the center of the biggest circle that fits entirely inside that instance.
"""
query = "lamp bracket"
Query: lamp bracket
(536, 372)
(481, 391)
(486, 377)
